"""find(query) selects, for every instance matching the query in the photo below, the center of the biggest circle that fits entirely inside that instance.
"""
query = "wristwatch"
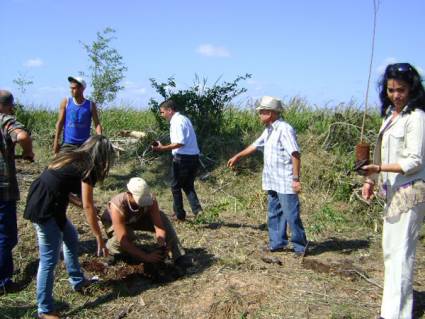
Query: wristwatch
(295, 178)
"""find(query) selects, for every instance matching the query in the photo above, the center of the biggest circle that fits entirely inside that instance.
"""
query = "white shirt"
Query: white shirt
(278, 142)
(402, 142)
(181, 132)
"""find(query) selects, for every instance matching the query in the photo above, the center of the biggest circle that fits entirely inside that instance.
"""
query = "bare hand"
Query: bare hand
(101, 248)
(232, 162)
(367, 191)
(371, 169)
(156, 146)
(160, 239)
(296, 186)
(28, 156)
(154, 257)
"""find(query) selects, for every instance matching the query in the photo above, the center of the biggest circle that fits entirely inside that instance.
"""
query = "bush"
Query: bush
(204, 105)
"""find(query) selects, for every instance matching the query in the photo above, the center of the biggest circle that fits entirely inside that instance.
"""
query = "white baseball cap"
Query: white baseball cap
(78, 79)
(140, 190)
(270, 103)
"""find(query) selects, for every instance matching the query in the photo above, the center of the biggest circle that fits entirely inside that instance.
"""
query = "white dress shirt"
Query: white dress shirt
(181, 132)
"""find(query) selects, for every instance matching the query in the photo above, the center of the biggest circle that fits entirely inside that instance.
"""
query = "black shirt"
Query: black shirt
(48, 194)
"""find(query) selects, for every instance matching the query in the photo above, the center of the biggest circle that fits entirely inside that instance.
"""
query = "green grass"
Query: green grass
(231, 228)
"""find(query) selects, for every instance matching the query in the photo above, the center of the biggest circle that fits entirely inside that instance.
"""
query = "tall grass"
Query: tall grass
(327, 137)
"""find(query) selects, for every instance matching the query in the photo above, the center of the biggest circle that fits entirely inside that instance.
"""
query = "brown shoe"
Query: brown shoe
(177, 219)
(49, 315)
(266, 249)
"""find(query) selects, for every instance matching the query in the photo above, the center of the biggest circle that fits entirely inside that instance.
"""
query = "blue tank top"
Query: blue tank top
(77, 122)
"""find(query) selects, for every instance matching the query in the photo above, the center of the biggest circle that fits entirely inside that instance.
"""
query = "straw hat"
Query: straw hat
(270, 103)
(140, 190)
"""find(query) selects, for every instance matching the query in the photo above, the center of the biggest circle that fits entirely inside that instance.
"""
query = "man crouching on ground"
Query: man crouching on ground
(137, 209)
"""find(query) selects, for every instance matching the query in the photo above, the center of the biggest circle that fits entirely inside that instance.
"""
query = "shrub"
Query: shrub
(204, 105)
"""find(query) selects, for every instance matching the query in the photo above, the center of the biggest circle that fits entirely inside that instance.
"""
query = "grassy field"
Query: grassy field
(232, 278)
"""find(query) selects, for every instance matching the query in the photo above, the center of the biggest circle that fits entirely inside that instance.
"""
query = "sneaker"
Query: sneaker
(267, 249)
(304, 252)
(198, 212)
(48, 315)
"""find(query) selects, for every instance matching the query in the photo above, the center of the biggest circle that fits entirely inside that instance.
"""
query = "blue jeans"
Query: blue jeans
(284, 210)
(50, 237)
(8, 240)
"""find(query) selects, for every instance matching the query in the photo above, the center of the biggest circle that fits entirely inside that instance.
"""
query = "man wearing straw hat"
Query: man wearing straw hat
(281, 176)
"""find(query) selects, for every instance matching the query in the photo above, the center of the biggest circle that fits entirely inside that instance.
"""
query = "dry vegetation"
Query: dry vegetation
(231, 277)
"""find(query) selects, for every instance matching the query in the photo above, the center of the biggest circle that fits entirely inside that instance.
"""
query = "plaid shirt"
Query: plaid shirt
(278, 142)
(8, 183)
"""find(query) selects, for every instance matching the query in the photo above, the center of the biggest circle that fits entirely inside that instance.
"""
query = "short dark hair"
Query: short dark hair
(169, 104)
(407, 73)
(6, 98)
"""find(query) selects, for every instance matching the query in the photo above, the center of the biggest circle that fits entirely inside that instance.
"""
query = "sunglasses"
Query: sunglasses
(400, 67)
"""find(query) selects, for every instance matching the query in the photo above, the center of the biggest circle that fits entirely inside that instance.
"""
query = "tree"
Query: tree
(204, 105)
(23, 82)
(107, 67)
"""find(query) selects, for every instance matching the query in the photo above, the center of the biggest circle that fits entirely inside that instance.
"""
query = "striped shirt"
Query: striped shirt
(278, 142)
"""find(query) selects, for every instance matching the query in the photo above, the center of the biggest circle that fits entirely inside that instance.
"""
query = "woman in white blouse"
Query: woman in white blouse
(399, 167)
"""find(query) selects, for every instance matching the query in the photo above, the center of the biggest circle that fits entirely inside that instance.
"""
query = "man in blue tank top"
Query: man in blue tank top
(74, 119)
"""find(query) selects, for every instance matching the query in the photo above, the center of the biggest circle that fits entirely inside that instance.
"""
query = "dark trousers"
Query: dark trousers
(8, 239)
(184, 169)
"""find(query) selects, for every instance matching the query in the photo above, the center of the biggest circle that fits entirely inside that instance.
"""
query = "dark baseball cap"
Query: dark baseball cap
(6, 98)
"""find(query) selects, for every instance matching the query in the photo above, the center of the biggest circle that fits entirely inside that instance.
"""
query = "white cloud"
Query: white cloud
(255, 84)
(134, 88)
(390, 60)
(381, 68)
(140, 91)
(213, 51)
(34, 63)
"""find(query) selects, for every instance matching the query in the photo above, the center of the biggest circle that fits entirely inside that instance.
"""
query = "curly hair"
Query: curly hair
(407, 73)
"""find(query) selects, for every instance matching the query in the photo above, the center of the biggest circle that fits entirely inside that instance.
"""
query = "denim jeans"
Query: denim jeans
(8, 240)
(283, 211)
(184, 169)
(50, 237)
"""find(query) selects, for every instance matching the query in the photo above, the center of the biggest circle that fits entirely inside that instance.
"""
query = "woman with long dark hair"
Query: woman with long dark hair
(399, 167)
(69, 173)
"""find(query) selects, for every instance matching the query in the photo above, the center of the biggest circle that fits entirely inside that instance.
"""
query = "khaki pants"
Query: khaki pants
(144, 224)
(399, 241)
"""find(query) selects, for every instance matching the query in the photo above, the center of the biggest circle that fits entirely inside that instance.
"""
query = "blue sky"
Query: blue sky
(318, 50)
